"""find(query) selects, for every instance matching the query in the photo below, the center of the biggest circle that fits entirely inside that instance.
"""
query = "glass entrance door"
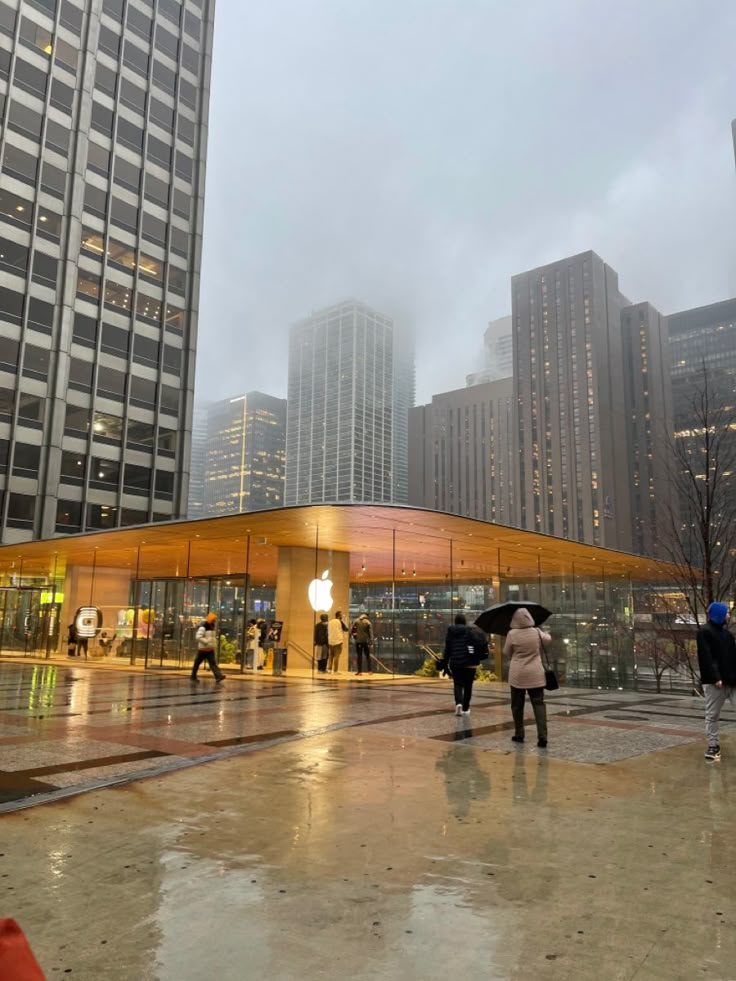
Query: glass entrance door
(21, 623)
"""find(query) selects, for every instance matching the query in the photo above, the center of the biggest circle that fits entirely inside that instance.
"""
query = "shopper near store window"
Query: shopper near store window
(363, 635)
(261, 637)
(336, 630)
(72, 640)
(252, 637)
(206, 639)
(321, 648)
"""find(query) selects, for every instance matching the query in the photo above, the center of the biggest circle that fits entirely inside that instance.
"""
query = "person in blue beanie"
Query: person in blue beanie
(717, 661)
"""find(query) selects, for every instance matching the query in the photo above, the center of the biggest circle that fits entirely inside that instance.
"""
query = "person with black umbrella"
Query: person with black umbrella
(526, 673)
(465, 648)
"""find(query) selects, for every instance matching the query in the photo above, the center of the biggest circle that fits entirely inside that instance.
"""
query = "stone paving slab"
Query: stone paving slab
(66, 727)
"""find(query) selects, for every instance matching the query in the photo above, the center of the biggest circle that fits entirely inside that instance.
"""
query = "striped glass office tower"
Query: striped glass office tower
(104, 109)
(351, 385)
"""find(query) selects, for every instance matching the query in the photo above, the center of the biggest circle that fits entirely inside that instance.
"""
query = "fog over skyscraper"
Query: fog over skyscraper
(351, 384)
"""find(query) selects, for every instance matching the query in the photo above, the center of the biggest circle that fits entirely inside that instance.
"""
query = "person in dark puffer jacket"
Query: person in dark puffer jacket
(717, 662)
(465, 647)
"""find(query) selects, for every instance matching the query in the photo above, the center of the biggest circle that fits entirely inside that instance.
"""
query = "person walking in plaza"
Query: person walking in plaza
(526, 673)
(465, 648)
(717, 662)
(336, 630)
(363, 634)
(321, 648)
(206, 638)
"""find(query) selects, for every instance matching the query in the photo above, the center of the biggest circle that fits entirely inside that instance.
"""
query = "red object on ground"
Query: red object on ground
(17, 962)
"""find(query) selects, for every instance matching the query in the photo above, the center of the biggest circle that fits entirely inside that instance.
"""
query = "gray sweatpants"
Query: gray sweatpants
(715, 699)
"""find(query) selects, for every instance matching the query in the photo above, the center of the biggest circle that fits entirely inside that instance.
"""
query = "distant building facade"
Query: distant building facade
(571, 466)
(648, 401)
(498, 351)
(244, 454)
(351, 383)
(460, 452)
(704, 337)
(198, 465)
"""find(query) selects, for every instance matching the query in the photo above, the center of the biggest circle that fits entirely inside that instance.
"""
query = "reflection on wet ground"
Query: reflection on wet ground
(355, 835)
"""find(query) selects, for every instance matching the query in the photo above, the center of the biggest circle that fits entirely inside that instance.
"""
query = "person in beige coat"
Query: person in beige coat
(526, 673)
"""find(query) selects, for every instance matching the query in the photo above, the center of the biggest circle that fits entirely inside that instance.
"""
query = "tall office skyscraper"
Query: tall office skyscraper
(105, 107)
(648, 402)
(498, 353)
(571, 471)
(244, 455)
(198, 465)
(460, 452)
(344, 428)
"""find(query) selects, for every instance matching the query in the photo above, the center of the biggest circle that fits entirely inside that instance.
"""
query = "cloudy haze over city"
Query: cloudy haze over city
(417, 155)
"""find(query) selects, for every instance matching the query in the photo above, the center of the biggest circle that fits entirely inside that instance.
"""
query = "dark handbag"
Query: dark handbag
(551, 682)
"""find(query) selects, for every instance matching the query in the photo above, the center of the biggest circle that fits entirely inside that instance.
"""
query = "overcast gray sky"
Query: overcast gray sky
(415, 154)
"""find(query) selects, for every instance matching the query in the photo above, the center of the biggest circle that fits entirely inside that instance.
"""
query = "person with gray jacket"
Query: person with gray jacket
(363, 635)
(526, 673)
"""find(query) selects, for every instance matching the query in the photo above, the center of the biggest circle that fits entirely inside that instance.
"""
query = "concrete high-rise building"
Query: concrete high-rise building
(105, 108)
(404, 397)
(244, 454)
(498, 352)
(198, 466)
(733, 134)
(571, 474)
(350, 387)
(648, 401)
(460, 452)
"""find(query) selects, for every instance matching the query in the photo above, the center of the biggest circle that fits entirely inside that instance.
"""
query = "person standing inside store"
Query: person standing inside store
(72, 640)
(526, 673)
(206, 639)
(321, 648)
(465, 648)
(717, 662)
(363, 634)
(261, 637)
(336, 630)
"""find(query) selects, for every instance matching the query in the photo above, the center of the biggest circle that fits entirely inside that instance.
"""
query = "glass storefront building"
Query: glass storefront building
(148, 588)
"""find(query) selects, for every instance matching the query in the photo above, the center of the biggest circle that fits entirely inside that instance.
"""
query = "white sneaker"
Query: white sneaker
(458, 710)
(466, 711)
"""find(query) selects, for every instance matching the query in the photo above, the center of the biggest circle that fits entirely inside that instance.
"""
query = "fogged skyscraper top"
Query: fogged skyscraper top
(498, 353)
(101, 200)
(350, 387)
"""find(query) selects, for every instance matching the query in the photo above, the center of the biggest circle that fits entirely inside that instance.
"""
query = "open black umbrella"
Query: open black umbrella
(497, 620)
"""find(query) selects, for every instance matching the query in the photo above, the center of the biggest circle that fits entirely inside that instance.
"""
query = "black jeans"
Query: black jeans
(463, 679)
(536, 697)
(209, 657)
(363, 649)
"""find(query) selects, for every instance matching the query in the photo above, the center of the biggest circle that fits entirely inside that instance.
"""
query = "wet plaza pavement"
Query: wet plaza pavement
(360, 829)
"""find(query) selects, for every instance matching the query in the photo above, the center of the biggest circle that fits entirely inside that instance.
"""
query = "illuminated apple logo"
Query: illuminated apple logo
(320, 593)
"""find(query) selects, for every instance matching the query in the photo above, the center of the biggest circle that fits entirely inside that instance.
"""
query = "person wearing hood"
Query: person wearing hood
(363, 634)
(206, 637)
(526, 673)
(717, 662)
(321, 648)
(465, 647)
